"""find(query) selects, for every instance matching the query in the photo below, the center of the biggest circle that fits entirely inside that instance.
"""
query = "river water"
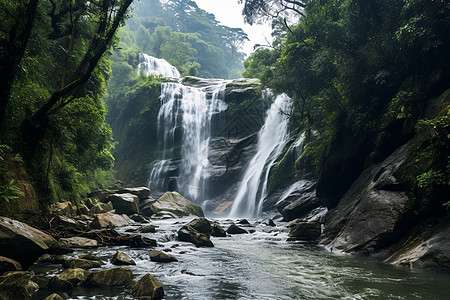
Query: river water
(259, 265)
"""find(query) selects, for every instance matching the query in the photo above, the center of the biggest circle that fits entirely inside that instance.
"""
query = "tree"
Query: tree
(255, 9)
(15, 30)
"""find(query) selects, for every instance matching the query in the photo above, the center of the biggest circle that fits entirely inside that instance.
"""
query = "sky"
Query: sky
(229, 13)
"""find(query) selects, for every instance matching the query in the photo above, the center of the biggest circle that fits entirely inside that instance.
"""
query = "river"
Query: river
(259, 265)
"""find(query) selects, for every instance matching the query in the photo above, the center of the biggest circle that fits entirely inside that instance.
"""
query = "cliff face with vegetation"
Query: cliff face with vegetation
(370, 86)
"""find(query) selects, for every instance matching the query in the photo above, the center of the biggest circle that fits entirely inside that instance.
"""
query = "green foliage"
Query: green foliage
(8, 189)
(361, 74)
(184, 35)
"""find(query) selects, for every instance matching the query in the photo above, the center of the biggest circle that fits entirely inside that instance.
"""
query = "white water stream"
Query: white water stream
(271, 141)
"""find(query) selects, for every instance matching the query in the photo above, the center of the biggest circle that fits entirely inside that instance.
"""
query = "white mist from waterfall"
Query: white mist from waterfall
(149, 65)
(190, 110)
(271, 140)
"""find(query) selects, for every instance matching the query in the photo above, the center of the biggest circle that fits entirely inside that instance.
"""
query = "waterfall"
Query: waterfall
(149, 65)
(271, 140)
(186, 111)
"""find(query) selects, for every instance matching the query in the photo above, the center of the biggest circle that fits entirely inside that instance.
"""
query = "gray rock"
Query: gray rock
(122, 259)
(301, 206)
(7, 264)
(234, 229)
(78, 242)
(199, 239)
(67, 280)
(108, 220)
(174, 203)
(370, 215)
(139, 218)
(141, 192)
(217, 230)
(148, 286)
(202, 225)
(23, 243)
(146, 229)
(110, 278)
(159, 256)
(304, 231)
(428, 249)
(125, 203)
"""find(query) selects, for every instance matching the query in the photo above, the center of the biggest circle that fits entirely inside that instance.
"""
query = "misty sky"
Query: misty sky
(229, 13)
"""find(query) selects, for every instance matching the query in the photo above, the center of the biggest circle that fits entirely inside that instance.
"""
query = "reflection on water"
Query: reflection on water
(262, 265)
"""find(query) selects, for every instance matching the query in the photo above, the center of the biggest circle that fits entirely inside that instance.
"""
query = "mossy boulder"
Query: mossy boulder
(110, 278)
(68, 279)
(122, 259)
(148, 286)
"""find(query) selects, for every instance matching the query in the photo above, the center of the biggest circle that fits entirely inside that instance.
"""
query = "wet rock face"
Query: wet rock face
(373, 213)
(301, 206)
(22, 242)
(304, 231)
(430, 249)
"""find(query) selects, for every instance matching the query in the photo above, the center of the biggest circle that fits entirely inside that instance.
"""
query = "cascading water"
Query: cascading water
(149, 65)
(271, 140)
(187, 110)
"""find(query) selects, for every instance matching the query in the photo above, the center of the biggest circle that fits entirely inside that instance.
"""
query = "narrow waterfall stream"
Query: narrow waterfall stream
(271, 141)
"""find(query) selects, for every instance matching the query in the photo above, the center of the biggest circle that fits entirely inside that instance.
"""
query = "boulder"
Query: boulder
(234, 229)
(122, 259)
(201, 225)
(243, 222)
(110, 278)
(148, 286)
(139, 218)
(81, 263)
(54, 296)
(17, 285)
(108, 220)
(125, 203)
(301, 206)
(23, 243)
(178, 205)
(141, 192)
(374, 211)
(64, 208)
(304, 231)
(159, 256)
(217, 230)
(189, 234)
(294, 192)
(7, 264)
(146, 229)
(78, 242)
(64, 222)
(101, 207)
(67, 280)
